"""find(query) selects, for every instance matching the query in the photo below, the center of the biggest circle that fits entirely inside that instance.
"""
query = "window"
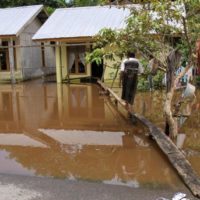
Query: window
(76, 60)
(4, 57)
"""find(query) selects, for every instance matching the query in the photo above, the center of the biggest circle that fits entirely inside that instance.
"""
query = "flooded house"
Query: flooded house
(20, 57)
(72, 30)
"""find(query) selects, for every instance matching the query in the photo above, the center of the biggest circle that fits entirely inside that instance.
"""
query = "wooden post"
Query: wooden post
(58, 64)
(173, 61)
(11, 61)
(64, 62)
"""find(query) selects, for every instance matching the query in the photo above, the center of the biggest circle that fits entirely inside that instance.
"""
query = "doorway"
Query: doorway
(4, 57)
(97, 70)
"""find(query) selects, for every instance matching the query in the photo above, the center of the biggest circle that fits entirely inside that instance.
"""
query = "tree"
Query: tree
(77, 3)
(163, 29)
(49, 4)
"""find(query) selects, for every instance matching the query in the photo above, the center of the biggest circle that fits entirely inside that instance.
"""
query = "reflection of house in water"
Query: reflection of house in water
(51, 135)
(32, 106)
(6, 111)
(14, 139)
(80, 107)
(69, 156)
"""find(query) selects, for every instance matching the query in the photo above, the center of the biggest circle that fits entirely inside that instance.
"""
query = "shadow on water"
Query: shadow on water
(69, 131)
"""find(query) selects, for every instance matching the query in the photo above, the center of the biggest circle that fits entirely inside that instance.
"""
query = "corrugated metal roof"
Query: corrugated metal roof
(81, 22)
(12, 20)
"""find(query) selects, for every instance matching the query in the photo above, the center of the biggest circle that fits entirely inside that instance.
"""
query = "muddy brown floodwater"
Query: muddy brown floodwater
(150, 105)
(70, 131)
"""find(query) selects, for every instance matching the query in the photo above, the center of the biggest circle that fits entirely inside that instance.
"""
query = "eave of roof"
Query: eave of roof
(30, 20)
(67, 39)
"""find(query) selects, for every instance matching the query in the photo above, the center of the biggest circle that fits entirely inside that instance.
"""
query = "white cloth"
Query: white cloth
(140, 69)
(82, 57)
(71, 59)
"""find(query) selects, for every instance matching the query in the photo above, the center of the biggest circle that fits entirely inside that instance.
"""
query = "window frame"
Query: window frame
(76, 54)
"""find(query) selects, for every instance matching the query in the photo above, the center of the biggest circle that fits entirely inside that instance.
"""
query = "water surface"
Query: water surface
(71, 131)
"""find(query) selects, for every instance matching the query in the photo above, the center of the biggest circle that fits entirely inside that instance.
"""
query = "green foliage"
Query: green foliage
(96, 56)
(198, 79)
(49, 4)
(143, 84)
(105, 47)
(104, 38)
(158, 80)
(155, 29)
(84, 2)
(50, 10)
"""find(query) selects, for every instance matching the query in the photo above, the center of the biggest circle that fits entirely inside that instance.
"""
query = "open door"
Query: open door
(4, 57)
(97, 70)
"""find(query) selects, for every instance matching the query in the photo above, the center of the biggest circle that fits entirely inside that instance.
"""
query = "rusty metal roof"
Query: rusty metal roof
(82, 22)
(13, 20)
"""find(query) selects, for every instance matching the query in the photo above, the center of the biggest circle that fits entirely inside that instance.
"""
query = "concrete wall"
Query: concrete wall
(50, 59)
(31, 57)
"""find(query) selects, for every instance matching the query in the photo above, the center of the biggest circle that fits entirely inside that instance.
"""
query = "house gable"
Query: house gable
(14, 20)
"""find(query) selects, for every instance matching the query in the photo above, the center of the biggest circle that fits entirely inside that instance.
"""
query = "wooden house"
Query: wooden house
(20, 57)
(73, 31)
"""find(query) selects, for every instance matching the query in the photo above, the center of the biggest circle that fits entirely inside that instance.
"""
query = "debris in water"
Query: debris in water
(179, 196)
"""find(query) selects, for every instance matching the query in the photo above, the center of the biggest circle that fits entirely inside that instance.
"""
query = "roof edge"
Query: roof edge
(18, 7)
(90, 7)
(7, 36)
(66, 39)
(31, 19)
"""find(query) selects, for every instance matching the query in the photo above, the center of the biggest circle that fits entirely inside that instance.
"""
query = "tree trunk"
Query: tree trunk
(170, 121)
(173, 61)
